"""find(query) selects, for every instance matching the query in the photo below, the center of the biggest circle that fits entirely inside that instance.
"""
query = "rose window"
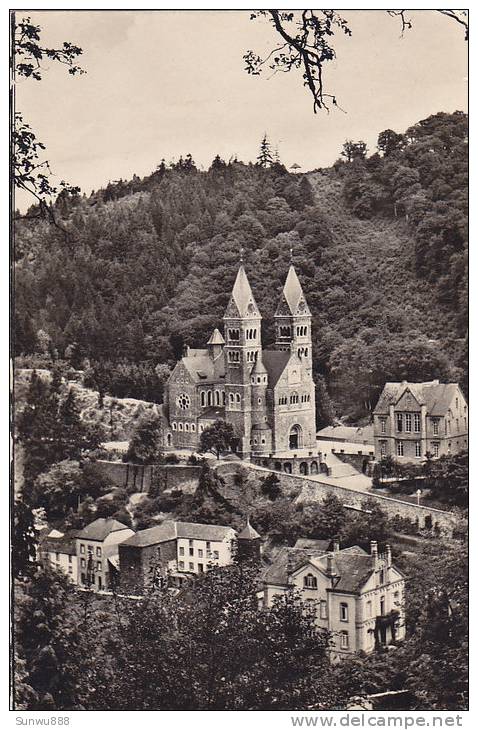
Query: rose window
(183, 401)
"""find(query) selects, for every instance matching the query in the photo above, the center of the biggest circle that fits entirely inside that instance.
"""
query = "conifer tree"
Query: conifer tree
(265, 158)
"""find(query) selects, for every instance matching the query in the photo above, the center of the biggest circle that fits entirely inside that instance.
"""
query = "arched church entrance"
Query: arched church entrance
(295, 437)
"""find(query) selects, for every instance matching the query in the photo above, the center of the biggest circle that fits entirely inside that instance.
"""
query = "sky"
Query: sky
(165, 83)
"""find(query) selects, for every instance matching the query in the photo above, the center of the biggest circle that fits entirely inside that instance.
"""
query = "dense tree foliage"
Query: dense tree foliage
(145, 446)
(154, 260)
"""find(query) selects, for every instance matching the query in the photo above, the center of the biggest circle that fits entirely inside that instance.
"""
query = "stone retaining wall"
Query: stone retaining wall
(315, 491)
(138, 478)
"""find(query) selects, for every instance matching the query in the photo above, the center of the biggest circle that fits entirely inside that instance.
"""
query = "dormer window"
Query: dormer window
(310, 581)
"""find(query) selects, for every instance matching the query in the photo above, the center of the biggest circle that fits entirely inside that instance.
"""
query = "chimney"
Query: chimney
(374, 553)
(388, 550)
(336, 546)
(331, 572)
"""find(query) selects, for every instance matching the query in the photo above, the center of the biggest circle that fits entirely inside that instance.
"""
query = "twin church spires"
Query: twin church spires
(242, 322)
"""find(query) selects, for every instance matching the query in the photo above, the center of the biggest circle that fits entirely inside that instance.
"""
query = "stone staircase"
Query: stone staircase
(339, 468)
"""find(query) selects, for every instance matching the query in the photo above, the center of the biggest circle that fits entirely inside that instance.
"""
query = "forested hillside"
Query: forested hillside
(147, 265)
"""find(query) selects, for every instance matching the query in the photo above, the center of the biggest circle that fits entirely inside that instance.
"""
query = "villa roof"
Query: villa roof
(353, 565)
(100, 529)
(434, 395)
(171, 529)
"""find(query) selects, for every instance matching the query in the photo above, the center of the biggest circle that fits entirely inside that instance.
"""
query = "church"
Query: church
(268, 396)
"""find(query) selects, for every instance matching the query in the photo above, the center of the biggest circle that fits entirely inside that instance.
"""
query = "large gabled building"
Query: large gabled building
(174, 548)
(357, 596)
(413, 419)
(268, 396)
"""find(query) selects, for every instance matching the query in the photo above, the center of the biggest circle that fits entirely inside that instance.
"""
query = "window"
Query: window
(98, 552)
(183, 401)
(383, 448)
(417, 423)
(90, 548)
(238, 398)
(174, 425)
(203, 398)
(200, 552)
(396, 598)
(457, 425)
(193, 427)
(456, 403)
(98, 565)
(382, 425)
(70, 569)
(381, 577)
(191, 566)
(83, 578)
(418, 448)
(435, 447)
(435, 427)
(83, 563)
(181, 565)
(100, 584)
(57, 555)
(408, 422)
(186, 426)
(310, 581)
(323, 609)
(208, 546)
(344, 612)
(191, 552)
(215, 554)
(369, 608)
(399, 422)
(180, 426)
(344, 639)
(82, 549)
(200, 567)
(382, 606)
(181, 551)
(399, 448)
(70, 558)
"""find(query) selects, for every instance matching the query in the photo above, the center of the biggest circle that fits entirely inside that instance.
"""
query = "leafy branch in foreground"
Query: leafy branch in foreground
(305, 45)
(29, 172)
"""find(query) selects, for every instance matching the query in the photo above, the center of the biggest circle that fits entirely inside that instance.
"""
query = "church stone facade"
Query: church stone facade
(268, 396)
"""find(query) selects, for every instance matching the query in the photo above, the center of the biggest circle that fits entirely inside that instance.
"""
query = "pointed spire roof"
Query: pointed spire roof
(242, 302)
(293, 297)
(248, 533)
(216, 338)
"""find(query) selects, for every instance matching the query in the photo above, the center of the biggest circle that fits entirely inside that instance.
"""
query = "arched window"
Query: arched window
(310, 581)
(193, 426)
(174, 425)
(223, 397)
(203, 399)
(201, 427)
(231, 398)
(238, 398)
(209, 397)
(180, 426)
(168, 439)
(218, 398)
(186, 426)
